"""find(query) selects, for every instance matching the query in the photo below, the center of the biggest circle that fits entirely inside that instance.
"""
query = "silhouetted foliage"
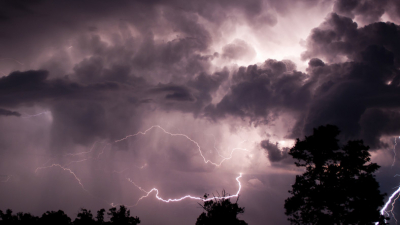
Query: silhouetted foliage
(27, 218)
(84, 217)
(19, 219)
(122, 216)
(52, 217)
(100, 216)
(338, 186)
(220, 211)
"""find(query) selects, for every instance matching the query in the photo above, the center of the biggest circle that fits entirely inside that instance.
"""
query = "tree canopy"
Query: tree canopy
(119, 216)
(220, 211)
(338, 185)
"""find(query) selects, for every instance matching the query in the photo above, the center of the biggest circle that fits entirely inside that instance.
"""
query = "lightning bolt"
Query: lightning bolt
(65, 169)
(29, 116)
(147, 193)
(395, 195)
(184, 197)
(187, 137)
(225, 158)
(20, 63)
(394, 151)
(391, 210)
(82, 153)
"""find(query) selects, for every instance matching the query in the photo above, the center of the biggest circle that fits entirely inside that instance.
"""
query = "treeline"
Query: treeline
(216, 211)
(119, 216)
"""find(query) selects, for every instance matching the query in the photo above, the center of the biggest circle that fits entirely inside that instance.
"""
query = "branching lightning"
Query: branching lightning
(394, 151)
(184, 197)
(147, 193)
(20, 63)
(65, 169)
(395, 195)
(38, 114)
(185, 136)
(81, 153)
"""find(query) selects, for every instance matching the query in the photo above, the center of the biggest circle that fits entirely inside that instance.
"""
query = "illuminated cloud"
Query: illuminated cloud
(76, 76)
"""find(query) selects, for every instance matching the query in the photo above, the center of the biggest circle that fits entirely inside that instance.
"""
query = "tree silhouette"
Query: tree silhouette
(84, 217)
(8, 217)
(220, 211)
(100, 216)
(338, 185)
(19, 219)
(52, 217)
(122, 216)
(27, 219)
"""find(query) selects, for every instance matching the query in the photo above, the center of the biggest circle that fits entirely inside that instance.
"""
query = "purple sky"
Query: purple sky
(223, 79)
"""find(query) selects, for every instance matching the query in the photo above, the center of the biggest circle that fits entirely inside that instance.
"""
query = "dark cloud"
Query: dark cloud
(261, 92)
(177, 93)
(5, 112)
(33, 86)
(192, 96)
(346, 92)
(366, 11)
(378, 122)
(273, 151)
(338, 39)
(23, 79)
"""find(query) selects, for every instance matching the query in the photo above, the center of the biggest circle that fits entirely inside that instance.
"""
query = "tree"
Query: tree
(122, 216)
(220, 211)
(100, 216)
(8, 217)
(338, 185)
(84, 217)
(52, 217)
(19, 219)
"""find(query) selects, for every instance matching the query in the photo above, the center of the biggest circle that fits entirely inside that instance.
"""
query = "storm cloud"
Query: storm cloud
(184, 96)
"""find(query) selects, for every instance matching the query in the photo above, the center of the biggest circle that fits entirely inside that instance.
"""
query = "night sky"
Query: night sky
(195, 83)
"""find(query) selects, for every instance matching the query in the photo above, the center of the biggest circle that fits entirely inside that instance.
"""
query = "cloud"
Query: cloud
(339, 38)
(366, 11)
(238, 49)
(177, 93)
(259, 92)
(273, 151)
(5, 112)
(103, 71)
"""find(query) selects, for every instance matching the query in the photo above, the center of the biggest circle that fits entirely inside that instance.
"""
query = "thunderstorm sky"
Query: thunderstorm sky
(195, 84)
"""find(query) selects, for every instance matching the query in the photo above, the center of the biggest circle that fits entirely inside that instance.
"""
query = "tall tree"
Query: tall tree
(220, 211)
(338, 185)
